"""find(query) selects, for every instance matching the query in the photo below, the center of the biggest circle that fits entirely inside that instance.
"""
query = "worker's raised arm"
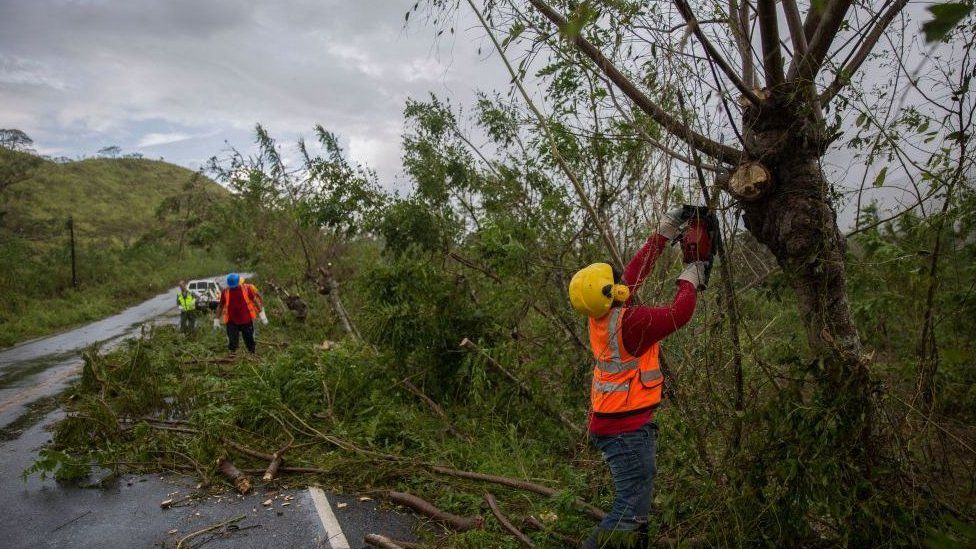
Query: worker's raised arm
(644, 326)
(641, 265)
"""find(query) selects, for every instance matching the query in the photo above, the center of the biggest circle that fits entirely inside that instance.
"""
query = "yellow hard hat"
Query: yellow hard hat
(592, 290)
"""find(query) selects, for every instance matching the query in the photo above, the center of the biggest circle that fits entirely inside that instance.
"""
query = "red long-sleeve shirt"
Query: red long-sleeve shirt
(642, 326)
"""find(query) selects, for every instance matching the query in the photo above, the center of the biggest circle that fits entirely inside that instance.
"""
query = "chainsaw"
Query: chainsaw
(701, 238)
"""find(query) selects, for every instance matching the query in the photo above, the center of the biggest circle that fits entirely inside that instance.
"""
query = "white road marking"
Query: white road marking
(337, 540)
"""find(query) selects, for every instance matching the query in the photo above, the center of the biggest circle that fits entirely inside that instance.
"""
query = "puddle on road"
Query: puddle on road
(12, 375)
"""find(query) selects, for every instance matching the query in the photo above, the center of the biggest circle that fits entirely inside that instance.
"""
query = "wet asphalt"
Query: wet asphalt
(125, 511)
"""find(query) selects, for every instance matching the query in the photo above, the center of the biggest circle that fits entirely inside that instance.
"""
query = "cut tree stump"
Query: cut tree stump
(241, 482)
(749, 181)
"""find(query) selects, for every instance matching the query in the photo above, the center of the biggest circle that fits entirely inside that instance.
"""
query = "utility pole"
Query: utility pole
(74, 272)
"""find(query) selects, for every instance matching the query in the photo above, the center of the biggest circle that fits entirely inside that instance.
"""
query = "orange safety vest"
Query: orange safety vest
(248, 295)
(622, 384)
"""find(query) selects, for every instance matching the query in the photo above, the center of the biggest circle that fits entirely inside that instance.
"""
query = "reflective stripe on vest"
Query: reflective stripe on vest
(610, 387)
(650, 375)
(615, 365)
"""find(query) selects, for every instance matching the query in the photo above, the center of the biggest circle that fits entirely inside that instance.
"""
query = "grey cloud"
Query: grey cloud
(116, 71)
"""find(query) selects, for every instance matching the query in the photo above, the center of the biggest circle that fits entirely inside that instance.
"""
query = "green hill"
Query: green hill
(115, 198)
(140, 226)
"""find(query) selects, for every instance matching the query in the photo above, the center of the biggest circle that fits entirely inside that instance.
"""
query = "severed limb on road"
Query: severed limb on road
(455, 522)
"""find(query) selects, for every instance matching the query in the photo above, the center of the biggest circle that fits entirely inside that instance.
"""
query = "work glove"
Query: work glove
(263, 317)
(671, 222)
(697, 272)
(216, 323)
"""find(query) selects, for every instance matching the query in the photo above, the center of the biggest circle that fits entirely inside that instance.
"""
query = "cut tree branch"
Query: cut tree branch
(331, 288)
(240, 480)
(459, 523)
(382, 542)
(277, 459)
(685, 10)
(846, 72)
(719, 151)
(506, 524)
(769, 35)
(519, 484)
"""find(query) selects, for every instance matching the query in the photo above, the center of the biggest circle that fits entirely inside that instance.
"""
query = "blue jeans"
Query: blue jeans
(631, 459)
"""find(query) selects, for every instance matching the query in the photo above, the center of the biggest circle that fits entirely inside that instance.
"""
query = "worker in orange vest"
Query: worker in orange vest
(627, 379)
(239, 305)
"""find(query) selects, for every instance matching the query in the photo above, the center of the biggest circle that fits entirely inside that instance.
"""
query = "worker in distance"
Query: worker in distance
(627, 380)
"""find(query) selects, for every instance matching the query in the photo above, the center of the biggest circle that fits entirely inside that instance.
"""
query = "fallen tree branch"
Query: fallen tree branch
(240, 480)
(228, 522)
(456, 522)
(277, 459)
(523, 389)
(185, 430)
(384, 542)
(519, 484)
(331, 289)
(247, 451)
(435, 407)
(170, 503)
(506, 524)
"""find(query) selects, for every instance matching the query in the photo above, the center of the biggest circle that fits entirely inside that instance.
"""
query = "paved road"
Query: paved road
(126, 512)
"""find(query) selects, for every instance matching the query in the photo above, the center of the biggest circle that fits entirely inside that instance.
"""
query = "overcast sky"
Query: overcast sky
(178, 78)
(181, 79)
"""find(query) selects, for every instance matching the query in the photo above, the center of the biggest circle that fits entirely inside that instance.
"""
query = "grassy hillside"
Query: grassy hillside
(137, 231)
(109, 198)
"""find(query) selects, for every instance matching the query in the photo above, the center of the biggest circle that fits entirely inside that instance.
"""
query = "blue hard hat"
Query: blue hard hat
(233, 279)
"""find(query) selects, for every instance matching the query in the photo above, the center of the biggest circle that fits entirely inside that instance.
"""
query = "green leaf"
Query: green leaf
(944, 18)
(956, 136)
(579, 18)
(880, 178)
(517, 29)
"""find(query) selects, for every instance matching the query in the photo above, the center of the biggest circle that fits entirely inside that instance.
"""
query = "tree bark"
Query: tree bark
(798, 224)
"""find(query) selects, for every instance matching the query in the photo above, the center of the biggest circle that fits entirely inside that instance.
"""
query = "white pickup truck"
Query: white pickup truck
(206, 291)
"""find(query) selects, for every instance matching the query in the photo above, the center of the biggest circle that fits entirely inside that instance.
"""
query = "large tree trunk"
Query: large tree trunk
(797, 222)
(799, 226)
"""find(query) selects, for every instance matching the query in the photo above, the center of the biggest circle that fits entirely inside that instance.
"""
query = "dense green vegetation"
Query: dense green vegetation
(482, 254)
(822, 395)
(140, 225)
